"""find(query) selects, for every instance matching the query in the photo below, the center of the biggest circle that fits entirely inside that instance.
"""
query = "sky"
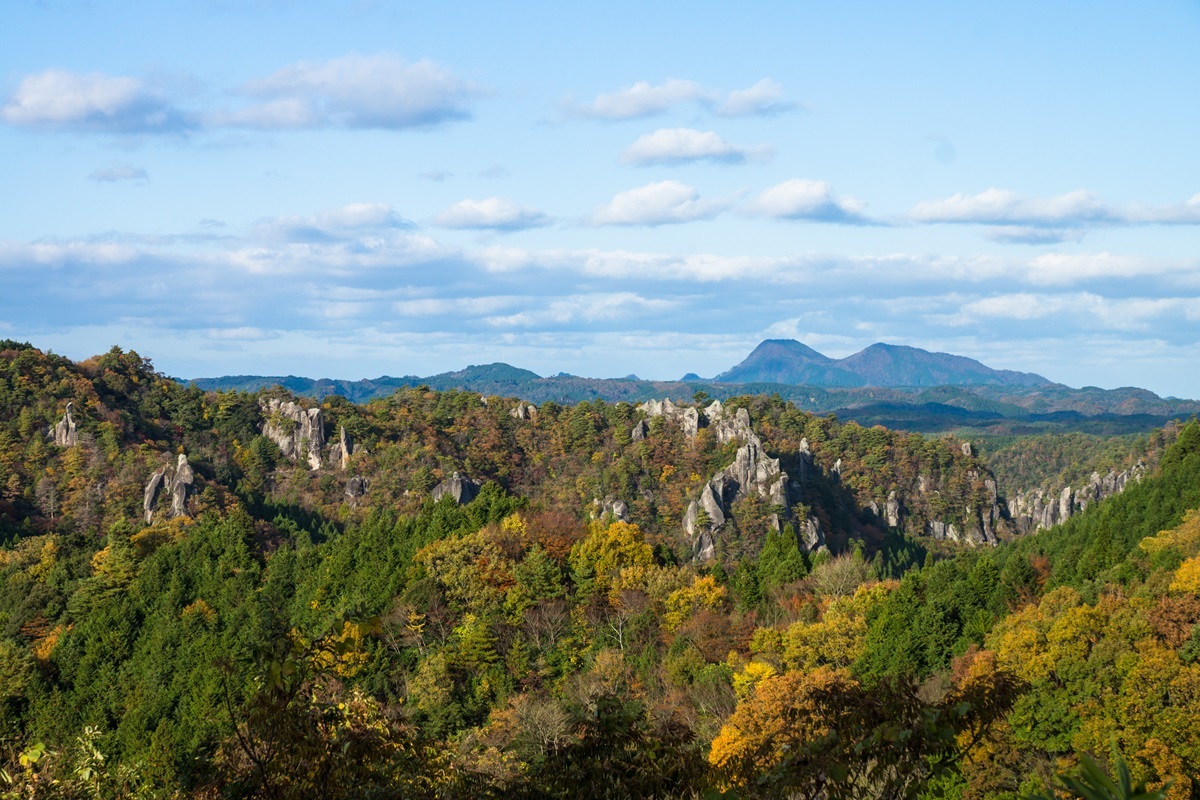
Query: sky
(372, 188)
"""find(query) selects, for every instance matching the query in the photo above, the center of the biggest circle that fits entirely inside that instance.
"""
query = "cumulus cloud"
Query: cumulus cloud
(1089, 309)
(60, 100)
(683, 145)
(589, 308)
(644, 99)
(492, 213)
(660, 203)
(379, 91)
(118, 172)
(764, 98)
(800, 199)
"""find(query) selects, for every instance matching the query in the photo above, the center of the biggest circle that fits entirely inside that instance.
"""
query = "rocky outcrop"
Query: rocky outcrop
(356, 487)
(640, 431)
(177, 480)
(752, 472)
(462, 489)
(341, 450)
(617, 510)
(687, 417)
(64, 430)
(1038, 509)
(181, 486)
(891, 510)
(150, 494)
(299, 432)
(523, 412)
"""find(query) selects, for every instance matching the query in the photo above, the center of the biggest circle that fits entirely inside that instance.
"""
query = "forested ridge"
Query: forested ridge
(334, 631)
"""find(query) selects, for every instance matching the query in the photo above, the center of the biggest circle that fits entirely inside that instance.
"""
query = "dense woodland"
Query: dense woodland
(335, 632)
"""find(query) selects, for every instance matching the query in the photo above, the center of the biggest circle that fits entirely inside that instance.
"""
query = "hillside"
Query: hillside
(438, 594)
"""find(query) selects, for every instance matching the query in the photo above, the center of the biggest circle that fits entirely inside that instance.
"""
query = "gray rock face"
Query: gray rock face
(686, 417)
(752, 471)
(942, 530)
(459, 487)
(181, 486)
(1039, 509)
(640, 429)
(811, 536)
(614, 509)
(356, 487)
(150, 494)
(297, 431)
(64, 429)
(523, 412)
(177, 480)
(967, 450)
(891, 510)
(341, 450)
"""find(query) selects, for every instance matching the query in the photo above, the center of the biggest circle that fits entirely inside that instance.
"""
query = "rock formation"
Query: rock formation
(181, 486)
(356, 487)
(523, 412)
(615, 509)
(150, 494)
(687, 417)
(297, 431)
(752, 471)
(640, 430)
(341, 450)
(177, 481)
(461, 488)
(64, 430)
(1039, 508)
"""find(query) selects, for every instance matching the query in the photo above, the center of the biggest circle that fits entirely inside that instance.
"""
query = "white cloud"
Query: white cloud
(118, 172)
(1001, 207)
(379, 91)
(58, 99)
(644, 99)
(1091, 310)
(762, 99)
(598, 307)
(494, 213)
(800, 199)
(683, 145)
(660, 203)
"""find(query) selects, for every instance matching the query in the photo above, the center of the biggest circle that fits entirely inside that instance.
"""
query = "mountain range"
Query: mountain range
(892, 385)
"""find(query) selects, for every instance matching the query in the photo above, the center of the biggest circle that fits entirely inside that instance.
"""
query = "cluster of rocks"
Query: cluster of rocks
(1038, 509)
(298, 431)
(686, 417)
(177, 479)
(616, 510)
(523, 412)
(982, 521)
(752, 471)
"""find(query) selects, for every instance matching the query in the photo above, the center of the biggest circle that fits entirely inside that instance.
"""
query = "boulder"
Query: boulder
(523, 412)
(617, 510)
(459, 487)
(356, 487)
(640, 429)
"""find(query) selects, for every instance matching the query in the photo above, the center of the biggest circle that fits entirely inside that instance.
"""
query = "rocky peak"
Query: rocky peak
(295, 429)
(341, 450)
(1039, 508)
(178, 480)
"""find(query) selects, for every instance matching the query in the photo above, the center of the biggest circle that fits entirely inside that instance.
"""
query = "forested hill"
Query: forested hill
(986, 408)
(230, 594)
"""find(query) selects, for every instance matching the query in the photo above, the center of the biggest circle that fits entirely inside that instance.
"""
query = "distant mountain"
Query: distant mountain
(897, 365)
(789, 361)
(887, 365)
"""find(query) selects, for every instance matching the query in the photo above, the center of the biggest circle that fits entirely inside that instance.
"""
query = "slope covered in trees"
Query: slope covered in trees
(336, 632)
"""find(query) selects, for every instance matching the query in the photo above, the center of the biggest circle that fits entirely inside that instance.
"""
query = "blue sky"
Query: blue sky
(356, 189)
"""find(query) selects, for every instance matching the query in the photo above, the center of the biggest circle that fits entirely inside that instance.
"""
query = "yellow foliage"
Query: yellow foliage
(840, 637)
(1187, 577)
(43, 647)
(606, 550)
(514, 525)
(682, 603)
(749, 676)
(1185, 538)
